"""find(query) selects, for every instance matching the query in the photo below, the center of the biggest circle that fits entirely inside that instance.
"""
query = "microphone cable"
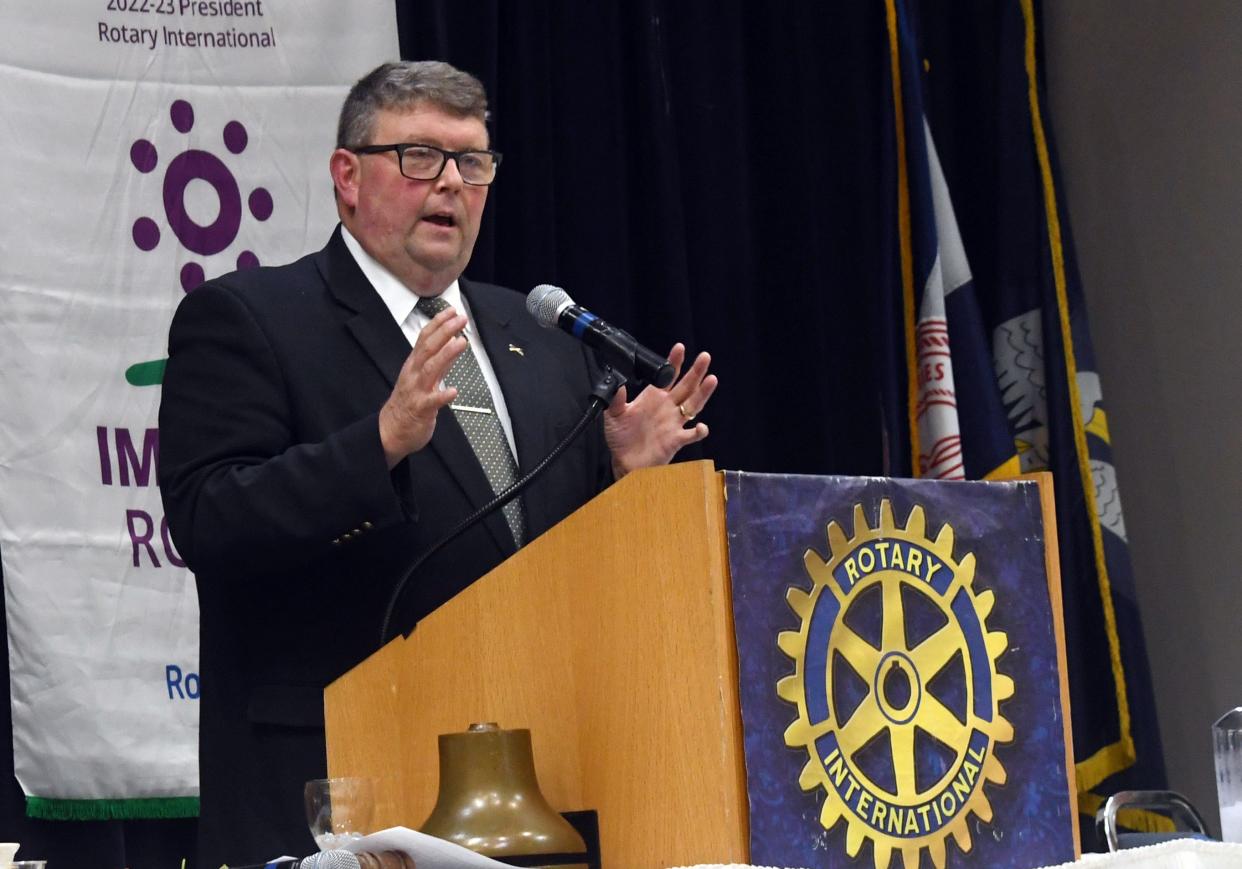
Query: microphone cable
(602, 394)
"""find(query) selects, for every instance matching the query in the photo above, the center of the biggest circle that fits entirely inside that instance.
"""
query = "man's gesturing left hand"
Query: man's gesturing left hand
(651, 429)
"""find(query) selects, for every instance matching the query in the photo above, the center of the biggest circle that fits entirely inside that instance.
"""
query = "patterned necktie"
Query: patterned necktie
(476, 414)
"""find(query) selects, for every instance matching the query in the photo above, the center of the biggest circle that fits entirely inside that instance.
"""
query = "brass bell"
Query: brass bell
(490, 802)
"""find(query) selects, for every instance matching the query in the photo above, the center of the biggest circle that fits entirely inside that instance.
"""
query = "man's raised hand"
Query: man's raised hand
(649, 430)
(408, 418)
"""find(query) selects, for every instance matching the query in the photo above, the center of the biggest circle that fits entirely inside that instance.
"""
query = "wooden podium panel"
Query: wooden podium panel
(611, 638)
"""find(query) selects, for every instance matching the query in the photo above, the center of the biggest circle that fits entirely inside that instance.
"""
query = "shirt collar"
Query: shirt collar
(397, 297)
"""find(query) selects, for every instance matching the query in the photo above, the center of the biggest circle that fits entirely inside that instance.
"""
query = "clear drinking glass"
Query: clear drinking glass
(339, 810)
(1227, 746)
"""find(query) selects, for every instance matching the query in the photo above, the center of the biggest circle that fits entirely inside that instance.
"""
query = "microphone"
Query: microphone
(330, 860)
(552, 306)
(334, 859)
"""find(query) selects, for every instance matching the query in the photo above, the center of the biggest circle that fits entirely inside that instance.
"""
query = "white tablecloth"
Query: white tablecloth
(1178, 854)
(1181, 854)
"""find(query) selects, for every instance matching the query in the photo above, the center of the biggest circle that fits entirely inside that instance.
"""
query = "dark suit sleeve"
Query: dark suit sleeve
(235, 481)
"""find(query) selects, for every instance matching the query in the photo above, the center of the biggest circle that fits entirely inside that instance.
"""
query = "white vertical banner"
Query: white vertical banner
(147, 145)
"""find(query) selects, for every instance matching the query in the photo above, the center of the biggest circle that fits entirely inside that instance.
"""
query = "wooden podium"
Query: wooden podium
(611, 638)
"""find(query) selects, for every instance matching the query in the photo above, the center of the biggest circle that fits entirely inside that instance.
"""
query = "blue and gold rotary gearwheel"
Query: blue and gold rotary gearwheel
(896, 686)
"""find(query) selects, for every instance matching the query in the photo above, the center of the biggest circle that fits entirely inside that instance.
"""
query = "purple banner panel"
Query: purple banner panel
(900, 693)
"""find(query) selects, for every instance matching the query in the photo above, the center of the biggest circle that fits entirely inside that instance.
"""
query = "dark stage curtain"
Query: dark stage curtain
(711, 172)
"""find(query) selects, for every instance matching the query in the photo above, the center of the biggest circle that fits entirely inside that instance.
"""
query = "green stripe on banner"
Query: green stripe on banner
(111, 810)
(146, 373)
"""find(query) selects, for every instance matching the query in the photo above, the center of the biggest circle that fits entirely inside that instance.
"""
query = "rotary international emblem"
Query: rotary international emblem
(896, 687)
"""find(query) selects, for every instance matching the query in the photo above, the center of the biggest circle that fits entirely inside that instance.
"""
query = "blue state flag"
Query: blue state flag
(1019, 335)
(954, 423)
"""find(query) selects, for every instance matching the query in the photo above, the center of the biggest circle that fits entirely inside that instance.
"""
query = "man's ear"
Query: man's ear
(345, 166)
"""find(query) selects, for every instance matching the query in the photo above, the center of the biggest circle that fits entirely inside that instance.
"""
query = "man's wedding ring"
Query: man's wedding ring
(686, 415)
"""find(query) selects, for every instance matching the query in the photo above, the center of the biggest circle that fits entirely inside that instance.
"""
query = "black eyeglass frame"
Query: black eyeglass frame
(445, 156)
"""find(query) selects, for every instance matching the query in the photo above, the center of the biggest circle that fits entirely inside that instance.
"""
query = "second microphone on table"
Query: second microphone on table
(337, 859)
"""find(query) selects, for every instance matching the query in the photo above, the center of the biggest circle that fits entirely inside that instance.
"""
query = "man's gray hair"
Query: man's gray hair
(402, 85)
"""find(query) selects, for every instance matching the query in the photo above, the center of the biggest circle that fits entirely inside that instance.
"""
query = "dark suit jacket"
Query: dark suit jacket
(278, 497)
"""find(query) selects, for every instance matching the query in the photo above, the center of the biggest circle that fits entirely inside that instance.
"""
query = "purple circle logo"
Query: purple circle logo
(188, 176)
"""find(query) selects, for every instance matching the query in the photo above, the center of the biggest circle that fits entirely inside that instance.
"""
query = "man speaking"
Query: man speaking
(325, 422)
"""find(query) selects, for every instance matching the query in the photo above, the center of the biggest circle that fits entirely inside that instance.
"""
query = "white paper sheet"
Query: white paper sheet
(428, 851)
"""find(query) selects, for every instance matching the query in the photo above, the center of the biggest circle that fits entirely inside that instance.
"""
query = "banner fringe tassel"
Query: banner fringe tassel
(111, 810)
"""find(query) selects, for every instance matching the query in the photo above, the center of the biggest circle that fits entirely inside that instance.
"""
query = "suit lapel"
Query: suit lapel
(373, 327)
(367, 318)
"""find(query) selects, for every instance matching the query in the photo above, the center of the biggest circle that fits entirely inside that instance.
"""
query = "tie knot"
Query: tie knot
(430, 305)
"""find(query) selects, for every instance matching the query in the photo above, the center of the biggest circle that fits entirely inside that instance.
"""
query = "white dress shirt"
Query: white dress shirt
(400, 301)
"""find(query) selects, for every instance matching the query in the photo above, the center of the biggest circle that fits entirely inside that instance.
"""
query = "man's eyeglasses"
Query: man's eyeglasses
(426, 162)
